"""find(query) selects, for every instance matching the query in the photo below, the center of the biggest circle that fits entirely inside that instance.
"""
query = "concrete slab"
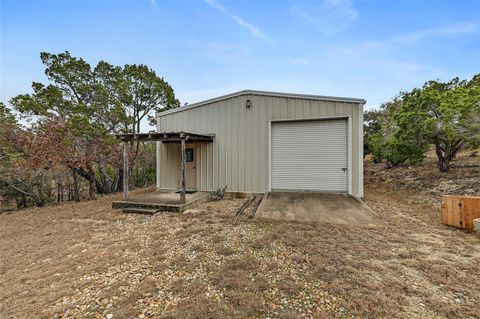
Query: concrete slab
(165, 197)
(317, 207)
(161, 201)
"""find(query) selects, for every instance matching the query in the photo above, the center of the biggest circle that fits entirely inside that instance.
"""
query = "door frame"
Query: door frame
(194, 147)
(323, 118)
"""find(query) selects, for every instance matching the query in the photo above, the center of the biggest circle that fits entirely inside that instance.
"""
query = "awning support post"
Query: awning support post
(125, 170)
(184, 164)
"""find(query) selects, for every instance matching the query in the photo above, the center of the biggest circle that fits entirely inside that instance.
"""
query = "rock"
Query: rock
(109, 316)
(476, 226)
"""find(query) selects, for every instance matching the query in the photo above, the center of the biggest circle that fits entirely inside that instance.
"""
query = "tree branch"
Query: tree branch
(24, 193)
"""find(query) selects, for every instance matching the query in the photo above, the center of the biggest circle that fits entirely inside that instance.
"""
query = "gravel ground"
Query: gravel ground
(87, 261)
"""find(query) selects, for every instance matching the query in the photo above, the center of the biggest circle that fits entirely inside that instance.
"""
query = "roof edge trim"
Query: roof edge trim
(262, 93)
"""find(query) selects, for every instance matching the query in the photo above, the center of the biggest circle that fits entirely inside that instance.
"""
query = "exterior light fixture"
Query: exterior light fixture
(248, 104)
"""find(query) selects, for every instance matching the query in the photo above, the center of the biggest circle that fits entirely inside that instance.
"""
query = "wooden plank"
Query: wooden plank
(460, 211)
(443, 210)
(184, 177)
(125, 170)
(457, 218)
(448, 213)
(471, 211)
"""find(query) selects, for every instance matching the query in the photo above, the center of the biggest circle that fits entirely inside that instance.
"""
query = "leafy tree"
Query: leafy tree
(142, 93)
(443, 114)
(381, 136)
(8, 129)
(76, 97)
(446, 115)
(94, 103)
(28, 158)
(371, 130)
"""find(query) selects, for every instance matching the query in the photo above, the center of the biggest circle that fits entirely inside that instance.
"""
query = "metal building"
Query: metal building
(266, 141)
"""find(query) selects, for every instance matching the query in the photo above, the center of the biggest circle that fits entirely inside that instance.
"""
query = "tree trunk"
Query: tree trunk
(116, 186)
(91, 181)
(76, 195)
(40, 198)
(445, 153)
(135, 150)
(37, 199)
(89, 177)
(107, 187)
(21, 201)
(59, 190)
(443, 165)
(120, 180)
(443, 162)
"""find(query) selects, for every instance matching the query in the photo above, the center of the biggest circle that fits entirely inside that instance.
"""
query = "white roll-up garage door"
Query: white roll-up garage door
(309, 156)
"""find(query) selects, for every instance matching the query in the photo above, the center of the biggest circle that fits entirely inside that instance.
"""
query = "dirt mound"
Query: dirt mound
(424, 179)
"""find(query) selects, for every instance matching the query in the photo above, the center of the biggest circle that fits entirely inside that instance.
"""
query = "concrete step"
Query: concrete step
(147, 205)
(139, 210)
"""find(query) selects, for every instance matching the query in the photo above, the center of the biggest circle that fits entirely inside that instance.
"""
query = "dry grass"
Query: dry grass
(86, 260)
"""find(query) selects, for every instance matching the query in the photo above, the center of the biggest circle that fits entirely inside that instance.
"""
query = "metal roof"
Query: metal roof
(263, 93)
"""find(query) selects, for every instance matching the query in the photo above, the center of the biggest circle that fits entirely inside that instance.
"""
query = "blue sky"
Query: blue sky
(365, 49)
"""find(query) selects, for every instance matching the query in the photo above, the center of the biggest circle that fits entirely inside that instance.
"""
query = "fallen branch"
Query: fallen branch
(37, 200)
(257, 204)
(244, 206)
(218, 195)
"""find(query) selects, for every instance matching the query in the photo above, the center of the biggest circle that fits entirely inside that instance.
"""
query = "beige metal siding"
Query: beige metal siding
(239, 155)
(310, 156)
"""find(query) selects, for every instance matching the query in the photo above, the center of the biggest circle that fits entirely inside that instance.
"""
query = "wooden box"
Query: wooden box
(460, 211)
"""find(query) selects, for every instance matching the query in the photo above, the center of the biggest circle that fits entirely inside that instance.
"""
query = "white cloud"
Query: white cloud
(379, 69)
(454, 29)
(375, 73)
(250, 27)
(153, 2)
(329, 18)
(394, 42)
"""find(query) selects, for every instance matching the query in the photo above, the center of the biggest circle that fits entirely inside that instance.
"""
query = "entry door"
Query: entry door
(310, 156)
(191, 172)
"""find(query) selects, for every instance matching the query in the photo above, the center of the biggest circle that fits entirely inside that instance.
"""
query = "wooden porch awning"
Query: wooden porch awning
(167, 137)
